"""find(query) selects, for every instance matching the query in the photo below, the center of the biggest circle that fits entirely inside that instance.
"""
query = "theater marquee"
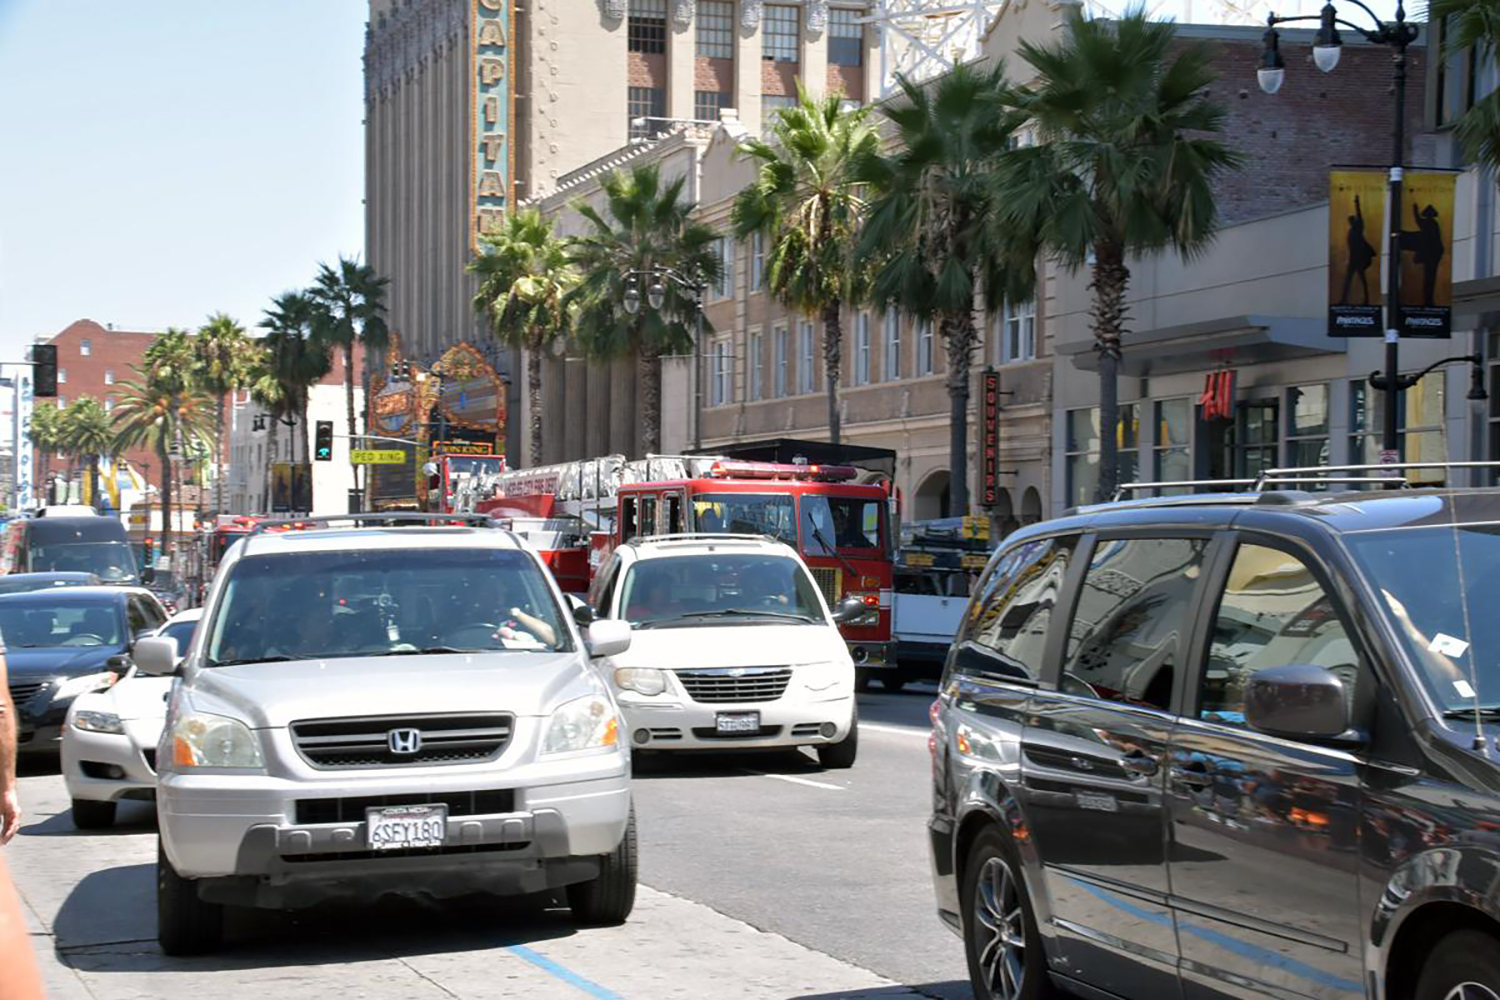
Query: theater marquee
(492, 105)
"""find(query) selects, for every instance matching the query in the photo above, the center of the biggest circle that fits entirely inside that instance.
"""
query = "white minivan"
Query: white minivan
(733, 647)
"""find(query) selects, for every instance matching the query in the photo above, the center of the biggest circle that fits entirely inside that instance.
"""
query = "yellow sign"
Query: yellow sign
(371, 456)
(972, 561)
(1356, 220)
(977, 528)
(1426, 254)
(918, 558)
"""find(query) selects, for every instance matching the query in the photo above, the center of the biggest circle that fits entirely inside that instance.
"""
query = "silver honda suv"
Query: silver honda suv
(388, 707)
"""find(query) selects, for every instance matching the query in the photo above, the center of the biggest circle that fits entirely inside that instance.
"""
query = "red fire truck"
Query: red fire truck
(576, 512)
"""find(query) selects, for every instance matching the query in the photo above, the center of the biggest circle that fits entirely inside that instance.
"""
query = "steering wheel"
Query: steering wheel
(84, 639)
(473, 634)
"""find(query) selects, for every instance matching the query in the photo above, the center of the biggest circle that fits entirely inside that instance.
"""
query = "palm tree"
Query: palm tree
(348, 310)
(1125, 163)
(524, 274)
(293, 359)
(926, 229)
(165, 415)
(44, 431)
(648, 225)
(805, 203)
(1475, 24)
(222, 353)
(87, 434)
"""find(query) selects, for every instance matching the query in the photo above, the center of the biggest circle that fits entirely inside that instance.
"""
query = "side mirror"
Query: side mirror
(1299, 701)
(583, 613)
(119, 664)
(148, 575)
(156, 655)
(607, 637)
(849, 609)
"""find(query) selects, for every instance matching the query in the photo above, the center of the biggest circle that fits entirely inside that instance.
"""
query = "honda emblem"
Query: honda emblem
(404, 741)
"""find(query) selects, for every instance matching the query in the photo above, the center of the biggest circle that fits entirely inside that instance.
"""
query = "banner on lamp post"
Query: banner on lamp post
(1356, 222)
(1427, 254)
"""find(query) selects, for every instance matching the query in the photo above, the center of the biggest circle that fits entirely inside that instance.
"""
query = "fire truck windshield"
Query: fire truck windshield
(461, 467)
(746, 514)
(841, 523)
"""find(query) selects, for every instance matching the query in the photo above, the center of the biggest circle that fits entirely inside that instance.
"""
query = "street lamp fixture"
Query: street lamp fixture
(1272, 72)
(1476, 394)
(656, 297)
(1328, 45)
(632, 296)
(656, 294)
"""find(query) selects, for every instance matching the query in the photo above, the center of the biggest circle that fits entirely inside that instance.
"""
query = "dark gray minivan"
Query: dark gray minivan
(1229, 747)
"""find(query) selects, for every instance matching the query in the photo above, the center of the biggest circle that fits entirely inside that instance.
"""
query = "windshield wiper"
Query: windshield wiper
(817, 534)
(748, 613)
(252, 659)
(1489, 713)
(433, 650)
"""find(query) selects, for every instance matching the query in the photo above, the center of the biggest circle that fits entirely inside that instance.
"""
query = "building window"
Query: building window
(924, 347)
(770, 103)
(779, 33)
(807, 375)
(109, 403)
(778, 373)
(109, 376)
(757, 262)
(62, 375)
(1307, 425)
(85, 347)
(1419, 417)
(1083, 451)
(647, 107)
(722, 387)
(61, 402)
(1172, 453)
(708, 103)
(1018, 332)
(862, 349)
(723, 249)
(646, 28)
(892, 345)
(715, 29)
(846, 38)
(757, 365)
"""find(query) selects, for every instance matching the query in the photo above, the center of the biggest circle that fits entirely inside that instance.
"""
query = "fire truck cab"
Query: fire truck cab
(455, 481)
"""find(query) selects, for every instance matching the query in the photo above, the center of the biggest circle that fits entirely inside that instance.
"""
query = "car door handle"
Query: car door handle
(1140, 764)
(1194, 774)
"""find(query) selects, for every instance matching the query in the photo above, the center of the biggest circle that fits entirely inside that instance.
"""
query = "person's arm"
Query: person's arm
(10, 799)
(1357, 213)
(535, 626)
(20, 978)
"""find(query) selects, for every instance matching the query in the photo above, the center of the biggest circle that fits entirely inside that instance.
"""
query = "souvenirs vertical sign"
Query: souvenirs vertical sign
(492, 105)
(989, 448)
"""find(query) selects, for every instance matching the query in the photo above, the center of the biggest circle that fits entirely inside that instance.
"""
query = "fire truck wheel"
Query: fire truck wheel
(892, 682)
(861, 679)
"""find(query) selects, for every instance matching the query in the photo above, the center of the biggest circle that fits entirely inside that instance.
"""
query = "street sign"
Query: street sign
(372, 456)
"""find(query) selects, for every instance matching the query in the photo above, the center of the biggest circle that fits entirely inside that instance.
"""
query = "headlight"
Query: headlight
(203, 740)
(583, 724)
(97, 722)
(818, 676)
(75, 686)
(641, 680)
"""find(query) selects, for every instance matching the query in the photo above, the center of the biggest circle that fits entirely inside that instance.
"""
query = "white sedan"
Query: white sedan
(109, 741)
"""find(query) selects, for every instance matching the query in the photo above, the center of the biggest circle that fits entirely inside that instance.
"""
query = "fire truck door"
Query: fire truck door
(627, 518)
(649, 507)
(674, 524)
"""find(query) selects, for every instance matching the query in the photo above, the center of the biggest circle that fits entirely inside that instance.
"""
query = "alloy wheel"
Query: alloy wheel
(1001, 927)
(1471, 991)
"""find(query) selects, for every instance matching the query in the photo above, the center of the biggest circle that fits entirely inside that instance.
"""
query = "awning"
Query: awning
(1473, 299)
(1233, 340)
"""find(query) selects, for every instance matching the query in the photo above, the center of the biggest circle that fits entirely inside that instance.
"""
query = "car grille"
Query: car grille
(365, 742)
(736, 684)
(403, 852)
(710, 733)
(352, 810)
(829, 581)
(23, 691)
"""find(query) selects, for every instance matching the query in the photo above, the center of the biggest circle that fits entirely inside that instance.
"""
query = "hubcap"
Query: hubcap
(1001, 933)
(1471, 991)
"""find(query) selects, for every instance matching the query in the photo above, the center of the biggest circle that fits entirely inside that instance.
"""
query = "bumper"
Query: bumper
(270, 831)
(661, 724)
(872, 655)
(944, 878)
(88, 757)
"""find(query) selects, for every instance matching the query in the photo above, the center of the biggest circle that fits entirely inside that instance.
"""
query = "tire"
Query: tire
(608, 899)
(840, 755)
(91, 815)
(892, 682)
(1466, 958)
(185, 924)
(1017, 970)
(861, 679)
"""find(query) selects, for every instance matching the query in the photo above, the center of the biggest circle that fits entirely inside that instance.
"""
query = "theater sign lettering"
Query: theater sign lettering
(490, 153)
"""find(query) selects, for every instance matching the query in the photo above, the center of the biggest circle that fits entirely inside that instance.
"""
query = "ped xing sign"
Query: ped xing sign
(374, 456)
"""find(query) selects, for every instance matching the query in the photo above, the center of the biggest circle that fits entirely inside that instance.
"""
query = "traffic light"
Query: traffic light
(148, 551)
(44, 370)
(323, 441)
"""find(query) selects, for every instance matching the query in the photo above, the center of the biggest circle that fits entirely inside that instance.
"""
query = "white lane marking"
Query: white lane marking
(797, 781)
(903, 730)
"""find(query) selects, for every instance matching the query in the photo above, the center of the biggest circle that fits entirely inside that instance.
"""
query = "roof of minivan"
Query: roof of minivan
(659, 548)
(365, 539)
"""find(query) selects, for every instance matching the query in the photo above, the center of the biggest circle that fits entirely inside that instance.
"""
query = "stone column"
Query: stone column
(814, 65)
(747, 85)
(681, 58)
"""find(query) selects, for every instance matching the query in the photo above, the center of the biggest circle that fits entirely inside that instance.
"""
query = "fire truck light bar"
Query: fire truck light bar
(782, 470)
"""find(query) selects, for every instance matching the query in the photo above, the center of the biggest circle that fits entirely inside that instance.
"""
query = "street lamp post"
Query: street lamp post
(1397, 35)
(656, 296)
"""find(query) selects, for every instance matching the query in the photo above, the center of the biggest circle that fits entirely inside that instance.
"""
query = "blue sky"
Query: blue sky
(163, 159)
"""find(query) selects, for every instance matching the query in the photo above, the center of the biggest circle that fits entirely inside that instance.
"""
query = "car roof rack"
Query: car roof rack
(378, 519)
(1275, 479)
(1125, 488)
(1319, 473)
(705, 536)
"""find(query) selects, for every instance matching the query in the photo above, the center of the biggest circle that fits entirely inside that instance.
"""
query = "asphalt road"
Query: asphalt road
(765, 878)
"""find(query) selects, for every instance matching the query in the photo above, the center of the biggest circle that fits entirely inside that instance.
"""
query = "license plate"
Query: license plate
(397, 827)
(1097, 801)
(737, 722)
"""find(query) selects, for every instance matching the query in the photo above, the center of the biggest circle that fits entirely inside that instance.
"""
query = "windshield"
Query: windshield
(31, 625)
(111, 562)
(1441, 586)
(746, 514)
(467, 467)
(324, 605)
(848, 524)
(730, 589)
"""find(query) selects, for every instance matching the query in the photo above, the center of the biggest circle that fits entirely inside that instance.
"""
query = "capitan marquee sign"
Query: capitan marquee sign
(492, 106)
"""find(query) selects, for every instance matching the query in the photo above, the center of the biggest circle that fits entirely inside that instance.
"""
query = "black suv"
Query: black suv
(1232, 746)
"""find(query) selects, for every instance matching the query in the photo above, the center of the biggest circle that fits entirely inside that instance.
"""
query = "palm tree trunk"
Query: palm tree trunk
(534, 397)
(93, 477)
(959, 338)
(219, 458)
(166, 499)
(648, 368)
(1109, 284)
(833, 361)
(265, 495)
(349, 402)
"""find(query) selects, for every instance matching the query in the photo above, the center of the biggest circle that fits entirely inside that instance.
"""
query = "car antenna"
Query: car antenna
(1480, 745)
